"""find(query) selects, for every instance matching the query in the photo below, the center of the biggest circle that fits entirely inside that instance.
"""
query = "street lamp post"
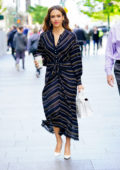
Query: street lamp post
(16, 7)
(16, 16)
(28, 3)
(109, 4)
(108, 21)
(107, 7)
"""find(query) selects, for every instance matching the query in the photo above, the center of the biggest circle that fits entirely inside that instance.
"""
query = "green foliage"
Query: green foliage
(2, 9)
(38, 13)
(93, 8)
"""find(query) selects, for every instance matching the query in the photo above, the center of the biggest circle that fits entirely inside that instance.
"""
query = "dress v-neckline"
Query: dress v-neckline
(58, 38)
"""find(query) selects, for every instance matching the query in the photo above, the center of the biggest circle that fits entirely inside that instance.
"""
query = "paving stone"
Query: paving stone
(54, 165)
(106, 164)
(4, 166)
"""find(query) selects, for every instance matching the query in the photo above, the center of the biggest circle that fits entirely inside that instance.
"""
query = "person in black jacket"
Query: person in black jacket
(80, 33)
(95, 38)
(10, 40)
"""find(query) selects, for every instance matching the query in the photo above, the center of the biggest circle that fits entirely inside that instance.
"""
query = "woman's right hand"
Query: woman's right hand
(80, 87)
(110, 80)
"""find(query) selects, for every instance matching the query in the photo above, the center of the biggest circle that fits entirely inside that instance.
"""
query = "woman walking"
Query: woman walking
(61, 55)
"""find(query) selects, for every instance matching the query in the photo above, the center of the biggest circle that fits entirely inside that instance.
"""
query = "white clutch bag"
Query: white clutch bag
(83, 108)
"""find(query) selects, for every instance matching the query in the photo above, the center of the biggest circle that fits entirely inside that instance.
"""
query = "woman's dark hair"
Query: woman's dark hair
(48, 26)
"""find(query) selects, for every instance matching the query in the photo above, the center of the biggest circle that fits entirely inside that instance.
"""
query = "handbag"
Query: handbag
(83, 108)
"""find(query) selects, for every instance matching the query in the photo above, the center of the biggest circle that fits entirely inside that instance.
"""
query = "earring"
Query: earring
(50, 24)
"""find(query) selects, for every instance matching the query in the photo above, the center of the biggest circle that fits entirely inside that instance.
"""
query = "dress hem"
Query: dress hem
(49, 128)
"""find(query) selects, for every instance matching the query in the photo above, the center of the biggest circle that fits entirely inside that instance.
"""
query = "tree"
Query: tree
(1, 9)
(38, 13)
(100, 9)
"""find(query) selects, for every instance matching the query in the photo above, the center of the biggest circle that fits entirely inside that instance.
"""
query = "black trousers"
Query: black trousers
(13, 52)
(117, 73)
(81, 43)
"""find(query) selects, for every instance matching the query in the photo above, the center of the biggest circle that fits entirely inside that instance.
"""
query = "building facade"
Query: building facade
(19, 5)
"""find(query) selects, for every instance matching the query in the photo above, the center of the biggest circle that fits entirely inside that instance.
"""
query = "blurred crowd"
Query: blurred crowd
(21, 39)
(88, 35)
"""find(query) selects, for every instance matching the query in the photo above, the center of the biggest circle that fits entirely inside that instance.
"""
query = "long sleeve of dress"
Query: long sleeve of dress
(41, 51)
(76, 60)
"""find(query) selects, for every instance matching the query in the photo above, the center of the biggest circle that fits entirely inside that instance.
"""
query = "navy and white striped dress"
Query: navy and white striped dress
(63, 74)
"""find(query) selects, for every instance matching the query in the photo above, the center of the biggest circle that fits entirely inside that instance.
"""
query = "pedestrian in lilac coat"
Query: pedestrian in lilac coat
(113, 56)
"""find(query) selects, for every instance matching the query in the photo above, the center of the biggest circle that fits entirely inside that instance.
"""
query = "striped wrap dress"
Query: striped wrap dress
(63, 73)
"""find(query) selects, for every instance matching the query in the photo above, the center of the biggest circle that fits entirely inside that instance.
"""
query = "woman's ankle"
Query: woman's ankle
(67, 149)
(58, 145)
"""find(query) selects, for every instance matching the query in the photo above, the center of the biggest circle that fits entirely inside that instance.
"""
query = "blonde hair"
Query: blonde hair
(35, 30)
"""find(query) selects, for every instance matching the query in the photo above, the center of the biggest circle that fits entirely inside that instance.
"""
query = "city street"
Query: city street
(25, 145)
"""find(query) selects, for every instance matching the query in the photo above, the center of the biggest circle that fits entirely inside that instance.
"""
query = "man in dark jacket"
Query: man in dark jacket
(20, 44)
(10, 40)
(80, 33)
(95, 37)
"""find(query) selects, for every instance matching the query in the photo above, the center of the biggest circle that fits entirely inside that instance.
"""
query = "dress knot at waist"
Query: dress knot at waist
(57, 66)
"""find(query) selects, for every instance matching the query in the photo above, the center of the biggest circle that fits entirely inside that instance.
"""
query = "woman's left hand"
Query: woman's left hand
(80, 87)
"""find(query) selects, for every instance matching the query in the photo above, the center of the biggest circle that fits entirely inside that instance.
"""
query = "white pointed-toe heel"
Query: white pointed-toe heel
(57, 153)
(67, 157)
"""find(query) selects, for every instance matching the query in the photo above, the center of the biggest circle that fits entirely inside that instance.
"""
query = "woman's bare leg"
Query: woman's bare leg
(58, 140)
(67, 146)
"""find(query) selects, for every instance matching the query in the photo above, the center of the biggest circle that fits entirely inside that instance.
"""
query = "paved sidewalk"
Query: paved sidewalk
(25, 145)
